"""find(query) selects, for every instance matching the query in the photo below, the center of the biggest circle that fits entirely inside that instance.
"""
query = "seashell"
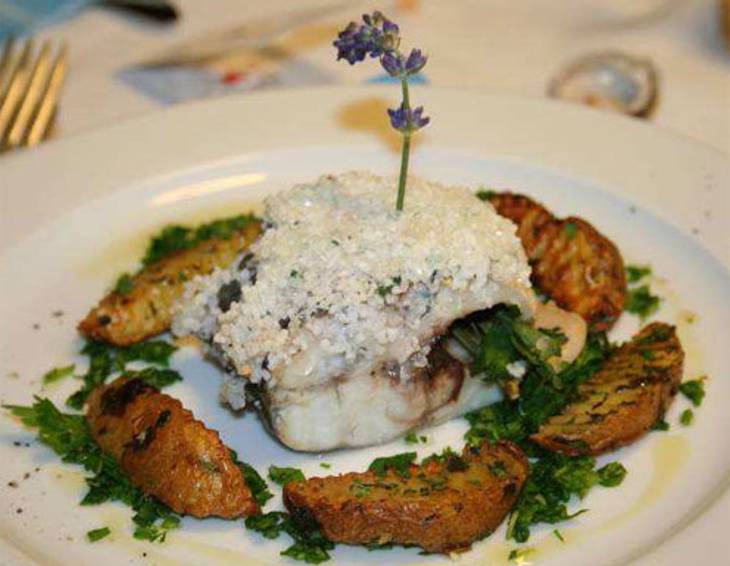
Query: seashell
(611, 80)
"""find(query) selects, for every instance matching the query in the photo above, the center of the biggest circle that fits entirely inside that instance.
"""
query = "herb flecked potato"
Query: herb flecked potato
(572, 262)
(443, 505)
(144, 309)
(623, 399)
(166, 452)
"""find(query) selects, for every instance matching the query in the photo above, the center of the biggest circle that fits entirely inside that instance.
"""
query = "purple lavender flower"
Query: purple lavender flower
(355, 42)
(415, 62)
(378, 37)
(392, 62)
(375, 37)
(408, 120)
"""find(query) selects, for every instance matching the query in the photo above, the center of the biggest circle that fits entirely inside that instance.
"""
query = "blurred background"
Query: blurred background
(667, 61)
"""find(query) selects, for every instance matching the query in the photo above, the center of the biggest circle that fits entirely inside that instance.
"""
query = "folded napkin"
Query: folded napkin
(23, 17)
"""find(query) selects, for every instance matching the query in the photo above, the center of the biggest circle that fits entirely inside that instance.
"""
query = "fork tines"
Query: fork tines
(30, 83)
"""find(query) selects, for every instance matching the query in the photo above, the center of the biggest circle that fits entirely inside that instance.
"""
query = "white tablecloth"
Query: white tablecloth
(507, 46)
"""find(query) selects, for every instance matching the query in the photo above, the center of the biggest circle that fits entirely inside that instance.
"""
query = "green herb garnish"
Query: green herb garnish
(124, 284)
(98, 534)
(686, 417)
(553, 480)
(518, 553)
(106, 360)
(400, 464)
(56, 374)
(152, 351)
(635, 273)
(660, 426)
(571, 230)
(543, 390)
(413, 438)
(156, 377)
(498, 338)
(259, 490)
(309, 546)
(611, 474)
(359, 488)
(176, 237)
(641, 302)
(501, 338)
(485, 194)
(283, 476)
(694, 390)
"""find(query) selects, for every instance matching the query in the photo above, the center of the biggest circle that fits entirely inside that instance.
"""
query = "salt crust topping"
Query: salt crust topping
(343, 282)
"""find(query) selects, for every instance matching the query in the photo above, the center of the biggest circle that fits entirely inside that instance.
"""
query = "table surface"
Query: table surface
(504, 46)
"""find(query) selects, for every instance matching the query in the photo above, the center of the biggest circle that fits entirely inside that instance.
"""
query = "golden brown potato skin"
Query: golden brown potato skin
(166, 452)
(623, 399)
(467, 503)
(124, 319)
(529, 215)
(572, 262)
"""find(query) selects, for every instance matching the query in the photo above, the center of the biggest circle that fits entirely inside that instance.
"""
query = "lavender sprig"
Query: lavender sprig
(379, 38)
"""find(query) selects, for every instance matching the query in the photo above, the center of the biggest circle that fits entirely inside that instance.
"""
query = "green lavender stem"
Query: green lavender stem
(405, 150)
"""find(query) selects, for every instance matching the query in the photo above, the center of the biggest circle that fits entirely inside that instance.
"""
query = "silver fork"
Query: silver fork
(29, 87)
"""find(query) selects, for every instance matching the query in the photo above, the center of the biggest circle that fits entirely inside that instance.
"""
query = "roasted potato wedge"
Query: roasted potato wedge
(623, 399)
(440, 506)
(146, 310)
(166, 452)
(529, 215)
(572, 262)
(580, 270)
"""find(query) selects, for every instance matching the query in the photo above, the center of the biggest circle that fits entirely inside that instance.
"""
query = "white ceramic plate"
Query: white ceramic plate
(76, 213)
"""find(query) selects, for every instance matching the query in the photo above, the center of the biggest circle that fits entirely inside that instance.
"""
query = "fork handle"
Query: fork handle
(158, 10)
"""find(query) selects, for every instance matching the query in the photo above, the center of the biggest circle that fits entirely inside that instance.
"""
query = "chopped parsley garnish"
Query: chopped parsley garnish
(694, 390)
(400, 464)
(124, 284)
(176, 237)
(553, 480)
(501, 338)
(635, 273)
(56, 374)
(686, 417)
(156, 377)
(283, 476)
(543, 391)
(611, 475)
(152, 351)
(309, 546)
(498, 338)
(98, 534)
(558, 535)
(259, 490)
(325, 465)
(106, 360)
(517, 553)
(69, 437)
(660, 426)
(570, 230)
(359, 488)
(413, 438)
(485, 194)
(383, 290)
(641, 302)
